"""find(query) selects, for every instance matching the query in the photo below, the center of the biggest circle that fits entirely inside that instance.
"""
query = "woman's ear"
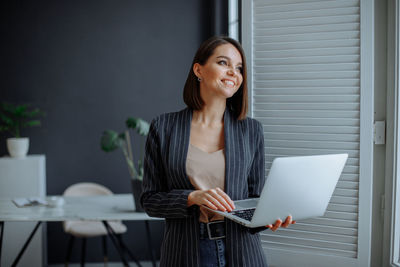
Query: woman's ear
(197, 70)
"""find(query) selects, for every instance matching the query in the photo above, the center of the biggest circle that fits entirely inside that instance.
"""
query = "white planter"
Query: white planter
(18, 147)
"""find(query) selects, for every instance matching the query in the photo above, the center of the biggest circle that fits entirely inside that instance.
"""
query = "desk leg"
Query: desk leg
(114, 240)
(151, 249)
(121, 243)
(1, 238)
(25, 245)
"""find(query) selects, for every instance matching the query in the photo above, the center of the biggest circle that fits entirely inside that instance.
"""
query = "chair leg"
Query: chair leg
(69, 249)
(83, 252)
(105, 256)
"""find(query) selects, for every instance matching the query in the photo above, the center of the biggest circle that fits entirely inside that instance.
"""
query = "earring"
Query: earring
(199, 79)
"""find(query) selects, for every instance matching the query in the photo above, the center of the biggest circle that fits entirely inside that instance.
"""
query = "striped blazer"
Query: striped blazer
(166, 187)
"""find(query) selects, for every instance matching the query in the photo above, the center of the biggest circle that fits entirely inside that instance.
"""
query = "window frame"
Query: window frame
(395, 227)
(391, 240)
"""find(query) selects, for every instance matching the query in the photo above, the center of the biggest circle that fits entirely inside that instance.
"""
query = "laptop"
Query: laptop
(297, 186)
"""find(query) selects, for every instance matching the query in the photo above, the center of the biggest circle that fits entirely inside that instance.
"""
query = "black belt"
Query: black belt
(212, 230)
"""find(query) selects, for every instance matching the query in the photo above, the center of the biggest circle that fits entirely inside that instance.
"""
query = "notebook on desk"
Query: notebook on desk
(296, 186)
(31, 201)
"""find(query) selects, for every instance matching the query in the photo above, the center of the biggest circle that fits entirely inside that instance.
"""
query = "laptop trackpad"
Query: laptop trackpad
(245, 204)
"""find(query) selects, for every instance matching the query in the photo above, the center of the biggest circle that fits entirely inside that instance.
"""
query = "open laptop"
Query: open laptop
(297, 186)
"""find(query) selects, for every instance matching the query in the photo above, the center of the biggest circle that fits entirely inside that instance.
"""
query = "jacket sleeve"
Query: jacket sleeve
(156, 199)
(256, 177)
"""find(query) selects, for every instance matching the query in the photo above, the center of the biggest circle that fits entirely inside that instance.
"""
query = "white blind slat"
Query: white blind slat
(308, 91)
(264, 17)
(335, 237)
(345, 200)
(307, 106)
(311, 242)
(306, 29)
(306, 249)
(271, 3)
(306, 37)
(323, 229)
(293, 6)
(310, 21)
(313, 145)
(308, 45)
(309, 98)
(309, 75)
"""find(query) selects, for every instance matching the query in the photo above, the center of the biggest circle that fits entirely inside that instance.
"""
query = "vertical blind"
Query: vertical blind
(306, 93)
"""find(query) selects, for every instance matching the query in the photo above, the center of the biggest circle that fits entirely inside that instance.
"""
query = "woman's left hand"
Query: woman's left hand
(279, 223)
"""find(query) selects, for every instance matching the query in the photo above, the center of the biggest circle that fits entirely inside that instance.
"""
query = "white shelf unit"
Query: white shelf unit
(23, 178)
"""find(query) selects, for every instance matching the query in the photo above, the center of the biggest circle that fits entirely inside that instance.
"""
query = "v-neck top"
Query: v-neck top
(206, 170)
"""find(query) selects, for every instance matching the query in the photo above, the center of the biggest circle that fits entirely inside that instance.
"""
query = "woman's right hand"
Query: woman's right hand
(213, 198)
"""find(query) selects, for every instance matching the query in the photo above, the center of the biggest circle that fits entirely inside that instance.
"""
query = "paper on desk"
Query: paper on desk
(31, 201)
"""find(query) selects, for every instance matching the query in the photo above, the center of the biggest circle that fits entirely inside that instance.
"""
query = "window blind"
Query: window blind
(306, 91)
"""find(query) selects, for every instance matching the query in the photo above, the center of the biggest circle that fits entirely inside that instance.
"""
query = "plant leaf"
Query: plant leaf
(31, 123)
(110, 140)
(35, 113)
(141, 126)
(20, 111)
(14, 117)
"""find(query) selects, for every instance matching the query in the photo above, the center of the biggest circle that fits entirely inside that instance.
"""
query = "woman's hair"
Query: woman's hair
(191, 92)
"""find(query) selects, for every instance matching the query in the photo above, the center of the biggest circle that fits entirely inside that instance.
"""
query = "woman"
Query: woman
(207, 155)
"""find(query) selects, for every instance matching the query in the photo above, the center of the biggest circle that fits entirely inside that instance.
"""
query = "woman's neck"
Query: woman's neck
(211, 114)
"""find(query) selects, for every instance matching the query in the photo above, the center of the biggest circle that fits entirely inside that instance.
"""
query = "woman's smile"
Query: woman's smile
(228, 82)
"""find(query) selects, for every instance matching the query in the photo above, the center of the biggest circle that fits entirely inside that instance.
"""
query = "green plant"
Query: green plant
(13, 118)
(111, 140)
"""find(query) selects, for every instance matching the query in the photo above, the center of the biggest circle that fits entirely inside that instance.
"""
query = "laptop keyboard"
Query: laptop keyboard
(245, 214)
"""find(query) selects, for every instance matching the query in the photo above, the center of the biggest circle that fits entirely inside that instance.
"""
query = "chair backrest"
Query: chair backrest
(86, 189)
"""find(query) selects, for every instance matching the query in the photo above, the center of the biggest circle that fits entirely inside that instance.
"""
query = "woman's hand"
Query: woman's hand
(279, 223)
(213, 198)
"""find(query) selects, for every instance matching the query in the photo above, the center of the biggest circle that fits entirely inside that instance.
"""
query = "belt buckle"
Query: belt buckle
(209, 231)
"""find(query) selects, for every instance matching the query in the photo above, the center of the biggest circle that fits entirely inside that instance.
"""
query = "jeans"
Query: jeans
(212, 253)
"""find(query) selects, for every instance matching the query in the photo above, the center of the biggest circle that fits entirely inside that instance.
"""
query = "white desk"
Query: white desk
(93, 208)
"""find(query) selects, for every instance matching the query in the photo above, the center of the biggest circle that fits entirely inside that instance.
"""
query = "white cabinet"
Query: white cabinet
(23, 178)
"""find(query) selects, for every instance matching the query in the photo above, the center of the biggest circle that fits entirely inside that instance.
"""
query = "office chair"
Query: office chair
(86, 229)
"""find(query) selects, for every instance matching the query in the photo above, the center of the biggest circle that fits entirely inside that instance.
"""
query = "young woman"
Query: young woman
(207, 155)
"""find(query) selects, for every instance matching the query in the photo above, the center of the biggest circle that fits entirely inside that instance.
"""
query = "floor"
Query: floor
(110, 264)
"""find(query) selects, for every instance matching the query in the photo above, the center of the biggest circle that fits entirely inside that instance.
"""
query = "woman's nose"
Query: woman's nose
(231, 71)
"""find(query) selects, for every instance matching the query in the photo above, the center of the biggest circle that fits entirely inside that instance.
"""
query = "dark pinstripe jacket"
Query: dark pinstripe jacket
(166, 187)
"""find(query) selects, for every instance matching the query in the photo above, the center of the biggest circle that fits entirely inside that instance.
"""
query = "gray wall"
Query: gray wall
(89, 65)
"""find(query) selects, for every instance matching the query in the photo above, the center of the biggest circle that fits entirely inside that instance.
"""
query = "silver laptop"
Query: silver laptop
(297, 186)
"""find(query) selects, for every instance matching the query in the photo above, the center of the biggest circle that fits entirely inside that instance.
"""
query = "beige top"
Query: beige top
(206, 171)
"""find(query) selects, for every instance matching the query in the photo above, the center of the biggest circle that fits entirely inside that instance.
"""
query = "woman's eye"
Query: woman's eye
(222, 62)
(239, 69)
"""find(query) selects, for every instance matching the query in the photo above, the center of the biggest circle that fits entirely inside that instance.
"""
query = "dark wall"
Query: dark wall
(89, 65)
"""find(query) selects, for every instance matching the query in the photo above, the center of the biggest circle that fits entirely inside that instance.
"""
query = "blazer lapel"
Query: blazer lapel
(229, 149)
(179, 143)
(235, 180)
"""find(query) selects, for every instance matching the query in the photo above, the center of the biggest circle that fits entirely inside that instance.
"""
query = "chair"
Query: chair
(85, 229)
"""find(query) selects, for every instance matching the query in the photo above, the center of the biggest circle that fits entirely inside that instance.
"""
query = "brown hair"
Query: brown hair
(191, 92)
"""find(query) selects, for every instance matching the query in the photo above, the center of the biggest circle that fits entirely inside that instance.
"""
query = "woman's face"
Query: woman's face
(221, 75)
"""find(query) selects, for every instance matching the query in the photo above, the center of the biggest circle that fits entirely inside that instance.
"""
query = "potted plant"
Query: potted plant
(111, 140)
(13, 118)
